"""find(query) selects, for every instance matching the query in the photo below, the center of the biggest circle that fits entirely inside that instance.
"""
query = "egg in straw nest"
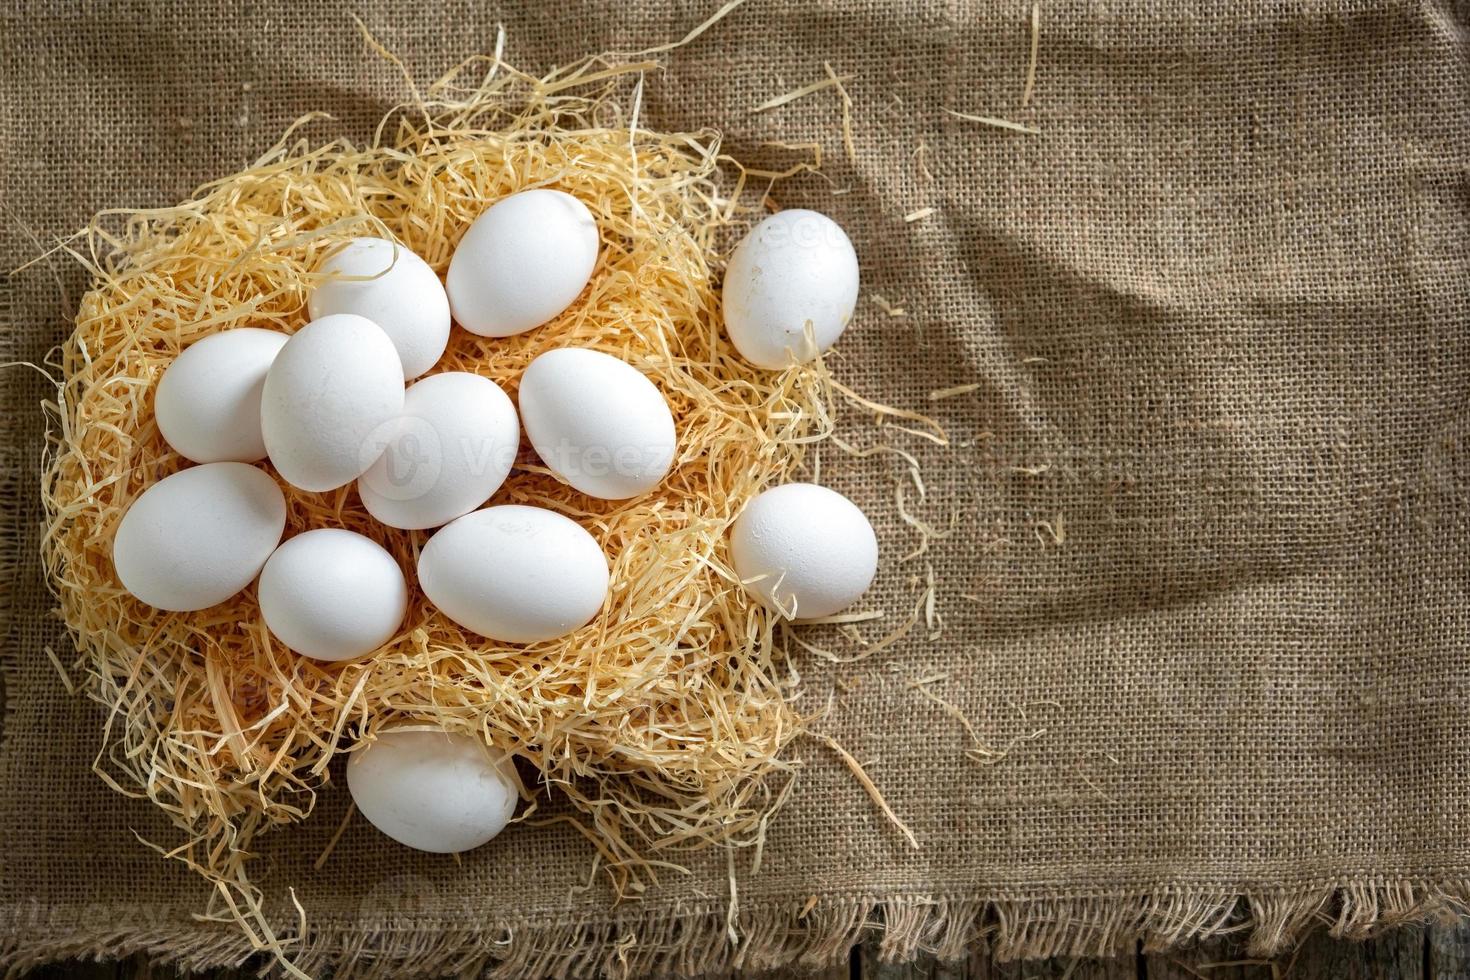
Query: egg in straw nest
(663, 719)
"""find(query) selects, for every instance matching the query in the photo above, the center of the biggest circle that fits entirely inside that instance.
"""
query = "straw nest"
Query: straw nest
(662, 719)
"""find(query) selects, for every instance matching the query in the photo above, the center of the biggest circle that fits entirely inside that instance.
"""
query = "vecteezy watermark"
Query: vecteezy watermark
(804, 230)
(402, 458)
(625, 460)
(398, 898)
(406, 457)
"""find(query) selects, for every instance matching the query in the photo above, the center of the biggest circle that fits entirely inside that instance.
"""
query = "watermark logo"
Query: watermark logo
(626, 460)
(402, 896)
(806, 230)
(404, 459)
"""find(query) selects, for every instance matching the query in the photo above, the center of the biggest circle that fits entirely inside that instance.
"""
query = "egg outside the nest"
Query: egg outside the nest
(332, 594)
(804, 551)
(790, 289)
(522, 262)
(433, 790)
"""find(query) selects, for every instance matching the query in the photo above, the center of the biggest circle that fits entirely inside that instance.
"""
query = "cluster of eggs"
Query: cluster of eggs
(332, 404)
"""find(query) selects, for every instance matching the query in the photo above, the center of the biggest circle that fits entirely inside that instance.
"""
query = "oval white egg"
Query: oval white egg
(455, 444)
(803, 550)
(208, 401)
(522, 262)
(334, 392)
(332, 594)
(433, 790)
(197, 537)
(795, 268)
(394, 288)
(516, 574)
(597, 422)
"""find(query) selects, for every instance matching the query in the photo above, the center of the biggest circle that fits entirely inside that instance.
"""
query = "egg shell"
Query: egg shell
(522, 262)
(455, 444)
(405, 297)
(433, 790)
(208, 401)
(332, 594)
(812, 550)
(331, 401)
(197, 537)
(795, 267)
(516, 574)
(597, 422)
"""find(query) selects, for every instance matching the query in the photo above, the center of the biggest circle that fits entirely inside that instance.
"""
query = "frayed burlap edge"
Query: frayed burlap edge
(798, 934)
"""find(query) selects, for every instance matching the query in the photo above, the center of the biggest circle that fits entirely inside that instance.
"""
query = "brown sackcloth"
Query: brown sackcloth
(1205, 600)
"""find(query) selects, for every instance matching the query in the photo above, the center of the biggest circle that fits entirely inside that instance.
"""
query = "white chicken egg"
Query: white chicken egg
(804, 551)
(516, 574)
(404, 297)
(433, 790)
(197, 537)
(597, 422)
(453, 448)
(794, 268)
(522, 262)
(332, 594)
(208, 401)
(334, 393)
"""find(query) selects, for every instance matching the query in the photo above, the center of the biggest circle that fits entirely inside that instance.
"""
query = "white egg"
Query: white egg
(804, 551)
(197, 537)
(208, 401)
(332, 594)
(522, 262)
(433, 790)
(454, 447)
(516, 574)
(404, 297)
(332, 397)
(597, 422)
(794, 268)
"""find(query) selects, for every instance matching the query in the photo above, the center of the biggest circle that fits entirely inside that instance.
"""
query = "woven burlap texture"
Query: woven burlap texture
(1208, 574)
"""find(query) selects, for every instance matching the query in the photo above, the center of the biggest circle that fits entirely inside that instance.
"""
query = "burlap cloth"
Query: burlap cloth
(1209, 496)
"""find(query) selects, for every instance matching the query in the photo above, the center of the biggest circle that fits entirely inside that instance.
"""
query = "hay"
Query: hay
(1031, 61)
(1014, 127)
(663, 721)
(802, 92)
(870, 787)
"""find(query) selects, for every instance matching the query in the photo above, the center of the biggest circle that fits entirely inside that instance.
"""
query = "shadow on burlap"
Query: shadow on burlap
(1209, 494)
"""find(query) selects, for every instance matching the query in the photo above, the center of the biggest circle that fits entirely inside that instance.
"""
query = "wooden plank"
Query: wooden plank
(1216, 960)
(1398, 955)
(923, 968)
(1447, 952)
(1394, 955)
(1443, 953)
(980, 967)
(1069, 968)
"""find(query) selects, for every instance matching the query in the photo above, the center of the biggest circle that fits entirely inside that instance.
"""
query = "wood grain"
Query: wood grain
(981, 967)
(1447, 951)
(1440, 952)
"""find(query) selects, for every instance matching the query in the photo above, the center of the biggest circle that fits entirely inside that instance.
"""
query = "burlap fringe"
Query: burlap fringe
(786, 935)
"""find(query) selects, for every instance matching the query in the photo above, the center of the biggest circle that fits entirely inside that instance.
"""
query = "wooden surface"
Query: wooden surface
(1441, 952)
